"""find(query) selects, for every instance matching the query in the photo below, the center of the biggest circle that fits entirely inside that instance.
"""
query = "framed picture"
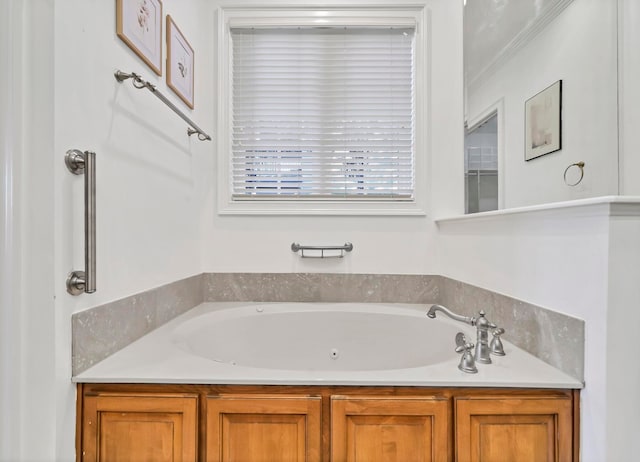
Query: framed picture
(543, 122)
(179, 63)
(139, 25)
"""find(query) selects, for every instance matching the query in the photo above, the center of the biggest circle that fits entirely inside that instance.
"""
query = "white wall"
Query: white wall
(395, 244)
(623, 319)
(26, 278)
(150, 175)
(10, 201)
(60, 94)
(624, 246)
(629, 92)
(578, 47)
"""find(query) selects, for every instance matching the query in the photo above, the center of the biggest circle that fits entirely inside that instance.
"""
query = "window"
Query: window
(320, 118)
(322, 113)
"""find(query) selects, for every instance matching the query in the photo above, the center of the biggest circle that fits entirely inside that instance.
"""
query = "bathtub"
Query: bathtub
(315, 343)
(318, 337)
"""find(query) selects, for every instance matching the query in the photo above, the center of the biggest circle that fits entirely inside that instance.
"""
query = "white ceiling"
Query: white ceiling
(492, 26)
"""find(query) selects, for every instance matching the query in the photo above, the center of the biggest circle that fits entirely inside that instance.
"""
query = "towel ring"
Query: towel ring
(580, 165)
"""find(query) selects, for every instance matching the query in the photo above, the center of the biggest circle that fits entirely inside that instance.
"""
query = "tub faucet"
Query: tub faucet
(482, 325)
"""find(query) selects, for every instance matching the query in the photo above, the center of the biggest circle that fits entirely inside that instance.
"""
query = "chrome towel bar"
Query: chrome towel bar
(139, 83)
(321, 249)
(79, 162)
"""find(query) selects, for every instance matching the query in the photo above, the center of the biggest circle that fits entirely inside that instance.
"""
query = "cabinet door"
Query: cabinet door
(381, 429)
(140, 428)
(264, 428)
(514, 429)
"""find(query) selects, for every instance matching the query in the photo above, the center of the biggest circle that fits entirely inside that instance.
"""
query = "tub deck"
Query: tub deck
(161, 357)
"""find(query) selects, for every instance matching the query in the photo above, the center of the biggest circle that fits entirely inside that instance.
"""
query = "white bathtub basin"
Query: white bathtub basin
(319, 336)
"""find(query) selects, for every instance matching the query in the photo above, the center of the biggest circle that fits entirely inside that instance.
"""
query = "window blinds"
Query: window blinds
(323, 113)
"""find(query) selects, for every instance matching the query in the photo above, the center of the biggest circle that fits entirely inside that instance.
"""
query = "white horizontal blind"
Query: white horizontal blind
(323, 113)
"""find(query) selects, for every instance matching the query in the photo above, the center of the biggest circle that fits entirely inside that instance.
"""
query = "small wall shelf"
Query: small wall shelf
(318, 251)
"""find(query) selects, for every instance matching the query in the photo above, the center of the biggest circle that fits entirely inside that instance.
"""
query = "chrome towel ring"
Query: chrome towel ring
(580, 165)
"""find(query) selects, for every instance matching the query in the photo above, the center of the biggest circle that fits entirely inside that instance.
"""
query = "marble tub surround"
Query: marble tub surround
(555, 338)
(99, 332)
(321, 287)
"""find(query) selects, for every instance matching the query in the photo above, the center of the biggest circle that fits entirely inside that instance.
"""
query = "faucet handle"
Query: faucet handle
(467, 361)
(461, 342)
(496, 347)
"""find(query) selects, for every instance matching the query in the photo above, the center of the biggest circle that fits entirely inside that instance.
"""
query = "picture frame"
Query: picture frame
(543, 122)
(139, 25)
(180, 62)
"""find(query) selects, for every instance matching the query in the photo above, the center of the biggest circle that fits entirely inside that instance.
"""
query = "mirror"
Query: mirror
(515, 49)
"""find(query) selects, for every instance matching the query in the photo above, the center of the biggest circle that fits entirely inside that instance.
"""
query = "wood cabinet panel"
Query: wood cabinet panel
(263, 429)
(255, 423)
(504, 429)
(140, 428)
(406, 429)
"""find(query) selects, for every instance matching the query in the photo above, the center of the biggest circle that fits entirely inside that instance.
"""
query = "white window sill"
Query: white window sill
(327, 208)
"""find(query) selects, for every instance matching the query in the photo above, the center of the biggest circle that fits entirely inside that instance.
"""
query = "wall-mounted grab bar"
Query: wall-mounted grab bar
(318, 251)
(139, 83)
(79, 162)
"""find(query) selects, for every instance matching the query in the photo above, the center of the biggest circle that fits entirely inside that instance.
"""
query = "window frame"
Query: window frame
(229, 17)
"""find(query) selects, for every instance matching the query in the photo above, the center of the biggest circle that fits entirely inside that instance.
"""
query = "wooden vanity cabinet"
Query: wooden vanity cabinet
(263, 428)
(389, 429)
(229, 423)
(514, 428)
(139, 427)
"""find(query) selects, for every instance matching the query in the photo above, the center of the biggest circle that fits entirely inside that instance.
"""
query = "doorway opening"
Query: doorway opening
(481, 165)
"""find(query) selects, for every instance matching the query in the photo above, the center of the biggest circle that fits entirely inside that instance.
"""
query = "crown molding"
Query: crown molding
(525, 36)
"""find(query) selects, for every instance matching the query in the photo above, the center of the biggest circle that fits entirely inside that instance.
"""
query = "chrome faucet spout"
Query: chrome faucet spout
(456, 317)
(482, 325)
